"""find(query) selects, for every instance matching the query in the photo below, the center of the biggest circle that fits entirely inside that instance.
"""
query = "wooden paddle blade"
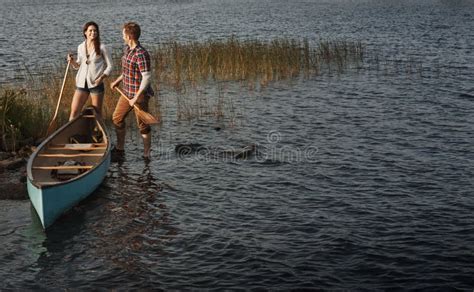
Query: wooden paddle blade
(147, 118)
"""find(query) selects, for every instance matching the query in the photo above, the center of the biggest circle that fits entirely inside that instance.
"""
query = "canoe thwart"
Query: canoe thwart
(68, 166)
(57, 167)
(78, 146)
(59, 155)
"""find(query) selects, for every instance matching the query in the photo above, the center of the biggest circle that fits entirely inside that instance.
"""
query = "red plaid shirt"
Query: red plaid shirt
(134, 62)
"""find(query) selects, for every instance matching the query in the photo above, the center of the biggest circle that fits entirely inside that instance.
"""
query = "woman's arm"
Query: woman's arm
(108, 63)
(75, 64)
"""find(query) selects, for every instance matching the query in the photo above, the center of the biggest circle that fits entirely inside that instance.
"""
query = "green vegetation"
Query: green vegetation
(250, 60)
(22, 119)
(182, 68)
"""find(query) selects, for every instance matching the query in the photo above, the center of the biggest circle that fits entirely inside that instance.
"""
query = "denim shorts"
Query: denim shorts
(99, 89)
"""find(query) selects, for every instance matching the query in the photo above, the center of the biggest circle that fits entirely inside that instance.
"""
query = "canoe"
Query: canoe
(68, 166)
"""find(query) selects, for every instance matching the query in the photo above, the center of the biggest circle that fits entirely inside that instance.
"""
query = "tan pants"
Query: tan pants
(123, 108)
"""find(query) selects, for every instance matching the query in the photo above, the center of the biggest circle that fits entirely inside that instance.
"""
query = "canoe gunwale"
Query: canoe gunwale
(103, 160)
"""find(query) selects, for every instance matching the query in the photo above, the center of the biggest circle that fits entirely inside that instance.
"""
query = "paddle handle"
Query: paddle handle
(52, 124)
(61, 93)
(147, 118)
(122, 94)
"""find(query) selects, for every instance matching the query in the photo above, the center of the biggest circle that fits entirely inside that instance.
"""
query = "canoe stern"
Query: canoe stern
(36, 198)
(50, 201)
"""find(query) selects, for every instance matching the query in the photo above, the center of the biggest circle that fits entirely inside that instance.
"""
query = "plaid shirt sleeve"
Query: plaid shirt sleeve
(143, 61)
(134, 62)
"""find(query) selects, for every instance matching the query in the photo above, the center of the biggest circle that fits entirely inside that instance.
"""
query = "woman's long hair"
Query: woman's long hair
(97, 39)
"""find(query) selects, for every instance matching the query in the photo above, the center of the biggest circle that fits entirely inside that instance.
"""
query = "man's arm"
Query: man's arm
(144, 65)
(116, 82)
(146, 80)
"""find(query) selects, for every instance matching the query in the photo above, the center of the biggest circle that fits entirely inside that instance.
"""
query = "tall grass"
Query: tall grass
(22, 119)
(182, 67)
(249, 60)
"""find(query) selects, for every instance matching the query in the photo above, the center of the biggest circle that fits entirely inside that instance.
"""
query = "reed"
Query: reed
(384, 66)
(23, 120)
(185, 67)
(182, 67)
(251, 60)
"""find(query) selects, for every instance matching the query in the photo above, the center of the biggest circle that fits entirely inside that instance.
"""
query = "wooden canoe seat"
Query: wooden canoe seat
(57, 155)
(78, 146)
(58, 167)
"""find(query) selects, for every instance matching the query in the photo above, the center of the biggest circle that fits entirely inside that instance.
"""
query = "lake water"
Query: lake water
(361, 181)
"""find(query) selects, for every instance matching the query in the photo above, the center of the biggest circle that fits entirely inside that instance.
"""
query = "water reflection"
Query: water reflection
(22, 244)
(122, 227)
(131, 217)
(34, 234)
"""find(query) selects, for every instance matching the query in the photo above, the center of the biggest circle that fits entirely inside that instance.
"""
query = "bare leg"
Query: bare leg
(146, 145)
(97, 101)
(78, 101)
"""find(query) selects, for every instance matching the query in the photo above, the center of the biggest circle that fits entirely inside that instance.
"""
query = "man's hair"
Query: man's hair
(132, 29)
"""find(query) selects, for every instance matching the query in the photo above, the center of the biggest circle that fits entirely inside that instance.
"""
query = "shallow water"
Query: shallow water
(360, 181)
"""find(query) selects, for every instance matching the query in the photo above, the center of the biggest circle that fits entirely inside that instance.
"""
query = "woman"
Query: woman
(94, 63)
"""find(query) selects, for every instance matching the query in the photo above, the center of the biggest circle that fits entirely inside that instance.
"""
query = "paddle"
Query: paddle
(52, 124)
(147, 118)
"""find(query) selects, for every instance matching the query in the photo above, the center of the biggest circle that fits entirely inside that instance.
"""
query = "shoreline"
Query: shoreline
(13, 176)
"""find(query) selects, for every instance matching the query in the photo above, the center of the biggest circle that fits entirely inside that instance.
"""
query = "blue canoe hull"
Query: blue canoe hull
(51, 202)
(51, 193)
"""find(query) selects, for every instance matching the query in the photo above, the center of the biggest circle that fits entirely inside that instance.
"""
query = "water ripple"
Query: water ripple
(383, 202)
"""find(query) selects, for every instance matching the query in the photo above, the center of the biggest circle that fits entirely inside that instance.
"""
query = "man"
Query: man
(136, 77)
